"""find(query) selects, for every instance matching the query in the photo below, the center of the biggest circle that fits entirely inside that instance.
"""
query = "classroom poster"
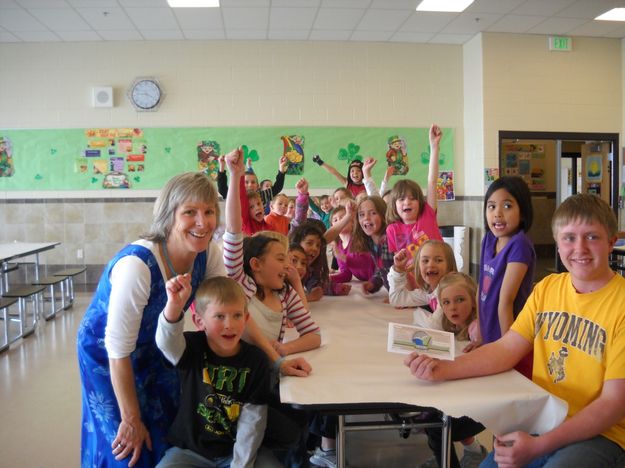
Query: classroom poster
(526, 161)
(445, 186)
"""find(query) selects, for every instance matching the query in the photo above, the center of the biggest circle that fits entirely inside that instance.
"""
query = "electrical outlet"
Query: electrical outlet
(79, 253)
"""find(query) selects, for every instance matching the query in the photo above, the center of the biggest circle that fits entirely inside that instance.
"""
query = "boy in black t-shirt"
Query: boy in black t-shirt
(225, 381)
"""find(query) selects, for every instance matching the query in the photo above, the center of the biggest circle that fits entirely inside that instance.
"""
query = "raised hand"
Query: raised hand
(368, 166)
(283, 164)
(435, 135)
(400, 260)
(302, 186)
(234, 161)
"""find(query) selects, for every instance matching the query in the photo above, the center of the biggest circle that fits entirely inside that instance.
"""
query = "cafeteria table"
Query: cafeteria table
(353, 372)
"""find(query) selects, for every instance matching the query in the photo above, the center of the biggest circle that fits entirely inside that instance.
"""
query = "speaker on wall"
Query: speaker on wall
(102, 96)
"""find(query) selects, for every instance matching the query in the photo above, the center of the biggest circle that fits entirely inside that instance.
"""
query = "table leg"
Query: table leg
(37, 267)
(446, 445)
(340, 442)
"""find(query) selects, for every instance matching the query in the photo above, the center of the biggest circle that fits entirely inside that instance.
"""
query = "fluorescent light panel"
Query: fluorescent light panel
(193, 3)
(615, 14)
(444, 5)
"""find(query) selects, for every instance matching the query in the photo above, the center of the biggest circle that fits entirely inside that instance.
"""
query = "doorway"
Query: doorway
(557, 165)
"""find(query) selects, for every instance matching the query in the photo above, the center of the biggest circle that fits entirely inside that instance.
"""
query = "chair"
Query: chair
(69, 280)
(25, 294)
(5, 303)
(50, 283)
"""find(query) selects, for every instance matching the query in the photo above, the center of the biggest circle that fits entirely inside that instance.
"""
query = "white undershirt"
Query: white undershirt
(130, 291)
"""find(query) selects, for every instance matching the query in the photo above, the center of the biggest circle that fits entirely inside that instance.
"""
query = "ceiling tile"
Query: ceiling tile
(493, 6)
(338, 18)
(162, 34)
(542, 7)
(8, 37)
(296, 3)
(199, 18)
(204, 35)
(409, 5)
(329, 35)
(246, 34)
(292, 18)
(244, 18)
(114, 18)
(37, 36)
(79, 36)
(121, 35)
(8, 4)
(152, 18)
(617, 33)
(144, 3)
(515, 23)
(423, 21)
(371, 36)
(20, 20)
(42, 3)
(411, 37)
(93, 3)
(60, 19)
(586, 9)
(383, 20)
(345, 3)
(557, 26)
(288, 34)
(244, 3)
(469, 23)
(450, 38)
(596, 28)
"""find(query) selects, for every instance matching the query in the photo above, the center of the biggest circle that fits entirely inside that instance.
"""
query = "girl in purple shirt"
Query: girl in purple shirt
(507, 260)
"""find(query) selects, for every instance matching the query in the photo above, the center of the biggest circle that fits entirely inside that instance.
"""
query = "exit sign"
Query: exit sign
(560, 43)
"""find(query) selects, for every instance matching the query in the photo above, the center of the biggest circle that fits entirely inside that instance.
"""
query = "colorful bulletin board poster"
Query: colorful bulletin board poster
(145, 158)
(445, 186)
(527, 162)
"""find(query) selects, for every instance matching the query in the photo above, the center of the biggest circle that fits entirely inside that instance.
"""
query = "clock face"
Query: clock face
(145, 94)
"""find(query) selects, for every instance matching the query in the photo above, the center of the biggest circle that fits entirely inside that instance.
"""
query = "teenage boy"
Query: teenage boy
(225, 381)
(575, 323)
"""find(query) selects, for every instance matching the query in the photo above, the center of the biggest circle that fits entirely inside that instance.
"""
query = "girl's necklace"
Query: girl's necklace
(168, 261)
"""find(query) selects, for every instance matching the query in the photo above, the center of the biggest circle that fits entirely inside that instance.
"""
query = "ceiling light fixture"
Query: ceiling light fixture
(193, 3)
(615, 14)
(444, 5)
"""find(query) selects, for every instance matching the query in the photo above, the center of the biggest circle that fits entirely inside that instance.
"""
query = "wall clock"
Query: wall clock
(145, 94)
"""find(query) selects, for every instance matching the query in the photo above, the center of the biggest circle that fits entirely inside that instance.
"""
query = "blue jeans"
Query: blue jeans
(176, 457)
(590, 453)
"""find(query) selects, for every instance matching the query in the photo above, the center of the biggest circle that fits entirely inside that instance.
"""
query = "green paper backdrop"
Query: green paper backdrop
(51, 159)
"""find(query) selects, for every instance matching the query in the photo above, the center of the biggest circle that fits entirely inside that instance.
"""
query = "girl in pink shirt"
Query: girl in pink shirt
(412, 216)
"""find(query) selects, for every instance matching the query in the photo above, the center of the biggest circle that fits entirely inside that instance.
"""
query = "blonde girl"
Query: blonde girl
(433, 261)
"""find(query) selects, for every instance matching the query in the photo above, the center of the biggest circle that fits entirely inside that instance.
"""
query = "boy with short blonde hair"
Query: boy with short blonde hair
(225, 381)
(575, 324)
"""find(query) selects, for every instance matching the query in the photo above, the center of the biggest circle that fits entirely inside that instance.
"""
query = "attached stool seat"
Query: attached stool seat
(69, 273)
(24, 295)
(51, 282)
(5, 303)
(6, 269)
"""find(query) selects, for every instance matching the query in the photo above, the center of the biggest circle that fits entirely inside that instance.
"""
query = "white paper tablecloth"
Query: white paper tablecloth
(353, 366)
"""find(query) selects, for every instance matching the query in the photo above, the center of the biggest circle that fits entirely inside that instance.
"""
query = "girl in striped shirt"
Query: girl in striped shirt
(261, 265)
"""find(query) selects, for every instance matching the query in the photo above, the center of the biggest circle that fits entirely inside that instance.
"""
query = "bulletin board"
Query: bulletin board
(145, 158)
(527, 161)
